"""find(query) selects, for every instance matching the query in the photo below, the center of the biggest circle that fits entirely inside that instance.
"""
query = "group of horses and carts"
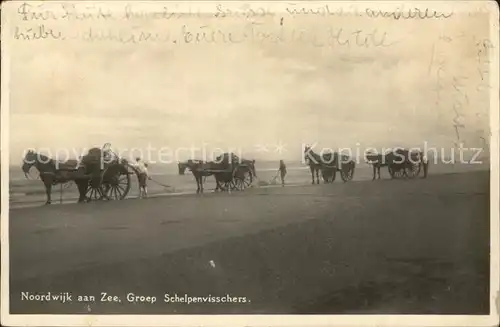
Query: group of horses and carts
(401, 163)
(102, 175)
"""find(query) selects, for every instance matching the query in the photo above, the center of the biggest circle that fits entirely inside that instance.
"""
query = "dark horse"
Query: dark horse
(314, 161)
(328, 164)
(200, 170)
(182, 166)
(54, 173)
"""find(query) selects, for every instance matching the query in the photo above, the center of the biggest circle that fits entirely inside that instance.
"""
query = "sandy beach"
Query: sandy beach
(390, 246)
(31, 193)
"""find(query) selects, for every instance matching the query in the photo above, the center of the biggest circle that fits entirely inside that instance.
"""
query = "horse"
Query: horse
(318, 163)
(54, 173)
(377, 161)
(182, 166)
(314, 162)
(201, 170)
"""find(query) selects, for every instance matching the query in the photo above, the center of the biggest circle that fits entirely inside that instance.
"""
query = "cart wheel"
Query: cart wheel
(412, 170)
(235, 183)
(95, 189)
(245, 180)
(95, 193)
(329, 175)
(117, 182)
(396, 172)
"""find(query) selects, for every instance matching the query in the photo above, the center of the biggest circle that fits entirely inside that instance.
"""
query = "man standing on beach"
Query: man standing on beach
(425, 164)
(143, 177)
(282, 171)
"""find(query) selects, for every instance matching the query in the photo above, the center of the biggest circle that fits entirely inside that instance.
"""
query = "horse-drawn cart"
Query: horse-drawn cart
(401, 163)
(231, 173)
(99, 175)
(236, 177)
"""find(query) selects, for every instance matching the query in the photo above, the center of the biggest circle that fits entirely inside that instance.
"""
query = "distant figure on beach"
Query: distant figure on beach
(282, 171)
(142, 168)
(425, 164)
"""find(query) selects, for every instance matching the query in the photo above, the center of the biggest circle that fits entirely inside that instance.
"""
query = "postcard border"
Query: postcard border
(262, 320)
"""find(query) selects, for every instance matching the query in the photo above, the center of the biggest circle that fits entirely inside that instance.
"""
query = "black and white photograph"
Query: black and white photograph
(250, 163)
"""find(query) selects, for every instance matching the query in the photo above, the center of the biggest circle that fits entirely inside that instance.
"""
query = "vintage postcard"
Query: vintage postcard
(250, 163)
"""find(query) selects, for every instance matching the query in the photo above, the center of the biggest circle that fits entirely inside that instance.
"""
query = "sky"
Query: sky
(250, 96)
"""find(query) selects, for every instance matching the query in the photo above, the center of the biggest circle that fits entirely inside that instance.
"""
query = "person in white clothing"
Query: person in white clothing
(142, 168)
